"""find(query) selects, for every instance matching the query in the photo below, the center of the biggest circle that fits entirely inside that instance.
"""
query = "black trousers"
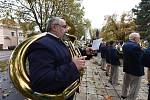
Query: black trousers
(148, 91)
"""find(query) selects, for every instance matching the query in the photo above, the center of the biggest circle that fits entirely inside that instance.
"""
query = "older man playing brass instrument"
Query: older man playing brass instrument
(51, 67)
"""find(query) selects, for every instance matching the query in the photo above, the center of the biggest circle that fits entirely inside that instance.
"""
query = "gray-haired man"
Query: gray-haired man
(132, 67)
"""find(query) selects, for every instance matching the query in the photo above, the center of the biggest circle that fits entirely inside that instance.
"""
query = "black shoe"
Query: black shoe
(103, 69)
(123, 97)
(110, 81)
(107, 74)
(148, 84)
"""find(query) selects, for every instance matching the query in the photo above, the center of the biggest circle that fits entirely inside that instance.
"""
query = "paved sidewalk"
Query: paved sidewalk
(95, 85)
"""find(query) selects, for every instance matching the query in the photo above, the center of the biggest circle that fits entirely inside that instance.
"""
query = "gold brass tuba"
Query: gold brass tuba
(19, 73)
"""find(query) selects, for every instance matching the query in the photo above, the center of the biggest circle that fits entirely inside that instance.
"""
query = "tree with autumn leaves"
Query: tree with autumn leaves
(138, 20)
(118, 29)
(37, 12)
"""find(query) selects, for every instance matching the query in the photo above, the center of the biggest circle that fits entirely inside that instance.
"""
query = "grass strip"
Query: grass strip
(3, 65)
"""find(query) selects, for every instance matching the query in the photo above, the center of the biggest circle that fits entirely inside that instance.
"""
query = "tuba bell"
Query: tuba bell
(19, 72)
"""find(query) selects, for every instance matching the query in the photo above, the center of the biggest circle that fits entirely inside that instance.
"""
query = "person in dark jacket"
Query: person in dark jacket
(102, 50)
(108, 65)
(134, 70)
(146, 63)
(114, 61)
(51, 67)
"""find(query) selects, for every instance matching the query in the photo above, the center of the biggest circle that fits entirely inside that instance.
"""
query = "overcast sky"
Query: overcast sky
(95, 10)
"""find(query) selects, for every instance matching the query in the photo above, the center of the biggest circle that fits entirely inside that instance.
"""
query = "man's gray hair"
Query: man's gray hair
(52, 21)
(133, 35)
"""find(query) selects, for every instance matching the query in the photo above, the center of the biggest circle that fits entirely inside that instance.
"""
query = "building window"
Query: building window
(12, 33)
(20, 34)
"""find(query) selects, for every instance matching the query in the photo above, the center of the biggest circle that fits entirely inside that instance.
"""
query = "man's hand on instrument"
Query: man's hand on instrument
(79, 62)
(89, 51)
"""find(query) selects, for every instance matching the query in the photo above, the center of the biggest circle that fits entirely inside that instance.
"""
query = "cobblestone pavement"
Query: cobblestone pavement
(95, 85)
(4, 53)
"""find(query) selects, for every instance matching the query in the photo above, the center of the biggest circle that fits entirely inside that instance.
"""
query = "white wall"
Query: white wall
(1, 35)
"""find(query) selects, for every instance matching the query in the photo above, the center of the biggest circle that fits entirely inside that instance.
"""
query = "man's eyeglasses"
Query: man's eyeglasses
(63, 26)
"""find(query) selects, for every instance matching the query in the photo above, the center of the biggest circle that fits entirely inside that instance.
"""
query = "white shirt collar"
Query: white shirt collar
(52, 34)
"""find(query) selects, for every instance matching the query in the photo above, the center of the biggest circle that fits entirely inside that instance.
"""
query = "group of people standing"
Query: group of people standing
(52, 69)
(134, 57)
(110, 60)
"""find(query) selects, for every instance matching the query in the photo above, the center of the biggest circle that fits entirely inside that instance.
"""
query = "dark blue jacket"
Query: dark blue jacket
(132, 54)
(146, 57)
(102, 50)
(113, 56)
(51, 69)
(107, 53)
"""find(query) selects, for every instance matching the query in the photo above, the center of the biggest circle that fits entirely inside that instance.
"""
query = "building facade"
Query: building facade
(10, 34)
